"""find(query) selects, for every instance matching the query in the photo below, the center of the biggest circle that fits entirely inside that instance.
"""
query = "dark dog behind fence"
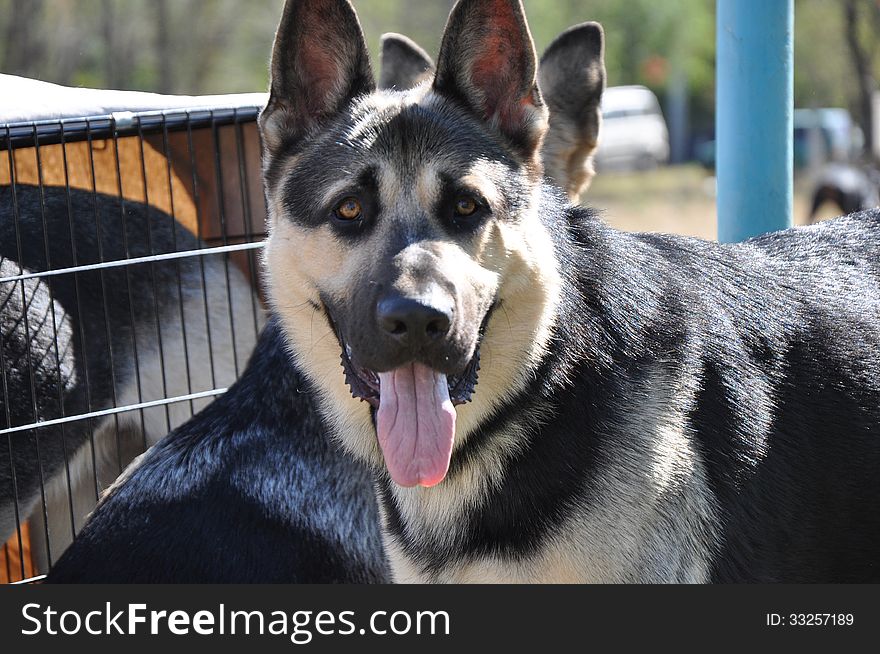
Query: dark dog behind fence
(127, 258)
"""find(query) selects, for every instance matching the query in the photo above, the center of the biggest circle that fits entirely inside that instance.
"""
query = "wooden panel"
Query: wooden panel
(11, 558)
(228, 196)
(138, 161)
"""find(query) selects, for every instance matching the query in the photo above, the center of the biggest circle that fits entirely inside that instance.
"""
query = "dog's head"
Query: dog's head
(405, 239)
(571, 76)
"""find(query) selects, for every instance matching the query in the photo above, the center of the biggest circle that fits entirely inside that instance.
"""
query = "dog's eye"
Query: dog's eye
(349, 209)
(465, 206)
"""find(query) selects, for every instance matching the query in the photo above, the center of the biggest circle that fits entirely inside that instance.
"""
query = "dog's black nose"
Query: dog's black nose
(413, 321)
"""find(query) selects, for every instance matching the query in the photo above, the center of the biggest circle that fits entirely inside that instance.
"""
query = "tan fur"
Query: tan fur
(297, 263)
(568, 156)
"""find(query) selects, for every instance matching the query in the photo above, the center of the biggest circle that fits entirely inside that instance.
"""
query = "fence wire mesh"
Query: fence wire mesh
(128, 300)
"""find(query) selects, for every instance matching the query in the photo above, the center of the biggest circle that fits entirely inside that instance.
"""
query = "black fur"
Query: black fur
(796, 504)
(572, 69)
(849, 187)
(487, 64)
(249, 490)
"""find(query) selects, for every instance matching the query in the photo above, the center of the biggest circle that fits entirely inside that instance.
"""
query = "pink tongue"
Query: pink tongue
(416, 424)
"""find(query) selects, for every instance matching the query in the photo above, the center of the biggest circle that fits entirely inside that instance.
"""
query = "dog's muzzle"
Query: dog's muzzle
(413, 398)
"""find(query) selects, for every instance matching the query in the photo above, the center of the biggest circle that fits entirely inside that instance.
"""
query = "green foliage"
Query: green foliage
(218, 46)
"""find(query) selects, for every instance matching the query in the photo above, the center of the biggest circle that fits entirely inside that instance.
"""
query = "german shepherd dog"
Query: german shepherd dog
(538, 396)
(87, 341)
(251, 489)
(649, 408)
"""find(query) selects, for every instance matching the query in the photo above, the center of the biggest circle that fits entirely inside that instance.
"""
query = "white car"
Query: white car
(633, 135)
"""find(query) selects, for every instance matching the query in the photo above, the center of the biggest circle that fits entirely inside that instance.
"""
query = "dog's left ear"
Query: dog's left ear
(487, 62)
(572, 77)
(319, 64)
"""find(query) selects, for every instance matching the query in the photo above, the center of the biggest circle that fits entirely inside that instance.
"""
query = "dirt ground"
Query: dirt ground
(675, 199)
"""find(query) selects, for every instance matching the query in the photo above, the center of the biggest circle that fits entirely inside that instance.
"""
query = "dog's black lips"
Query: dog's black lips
(364, 383)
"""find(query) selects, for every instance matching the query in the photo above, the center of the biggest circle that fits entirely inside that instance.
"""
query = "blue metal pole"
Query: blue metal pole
(754, 96)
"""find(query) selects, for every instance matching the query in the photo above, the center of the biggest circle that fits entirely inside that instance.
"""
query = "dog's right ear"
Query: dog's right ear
(403, 64)
(572, 79)
(319, 64)
(487, 63)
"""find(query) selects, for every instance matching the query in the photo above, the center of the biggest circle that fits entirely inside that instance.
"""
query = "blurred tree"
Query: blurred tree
(112, 69)
(222, 46)
(24, 50)
(864, 51)
(163, 47)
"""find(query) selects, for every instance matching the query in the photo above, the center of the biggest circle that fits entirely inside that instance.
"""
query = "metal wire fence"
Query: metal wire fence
(128, 261)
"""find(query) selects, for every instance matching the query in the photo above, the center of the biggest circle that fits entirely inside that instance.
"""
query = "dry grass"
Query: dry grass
(674, 199)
